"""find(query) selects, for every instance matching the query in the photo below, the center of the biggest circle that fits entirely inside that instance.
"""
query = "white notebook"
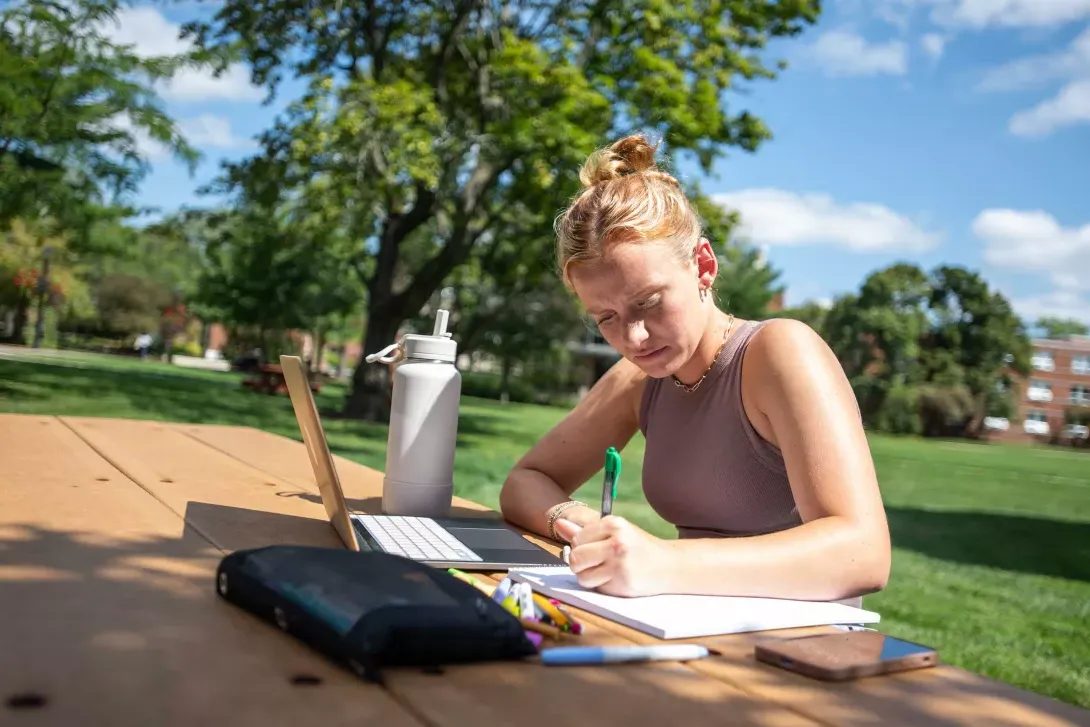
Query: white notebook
(682, 617)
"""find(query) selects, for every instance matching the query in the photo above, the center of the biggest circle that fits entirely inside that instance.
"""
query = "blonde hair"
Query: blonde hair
(626, 198)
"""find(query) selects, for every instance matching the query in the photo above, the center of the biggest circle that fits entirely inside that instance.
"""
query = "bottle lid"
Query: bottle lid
(439, 346)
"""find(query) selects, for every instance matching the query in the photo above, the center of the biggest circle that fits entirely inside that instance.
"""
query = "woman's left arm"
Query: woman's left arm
(797, 397)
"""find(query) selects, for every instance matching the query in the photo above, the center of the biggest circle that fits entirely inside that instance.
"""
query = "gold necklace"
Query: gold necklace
(693, 387)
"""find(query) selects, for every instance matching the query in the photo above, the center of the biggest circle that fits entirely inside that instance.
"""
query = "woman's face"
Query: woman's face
(647, 303)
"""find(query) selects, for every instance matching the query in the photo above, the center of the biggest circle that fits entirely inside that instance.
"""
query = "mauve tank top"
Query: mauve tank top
(706, 470)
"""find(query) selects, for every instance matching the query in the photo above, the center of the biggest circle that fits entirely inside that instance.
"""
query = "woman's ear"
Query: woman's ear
(707, 264)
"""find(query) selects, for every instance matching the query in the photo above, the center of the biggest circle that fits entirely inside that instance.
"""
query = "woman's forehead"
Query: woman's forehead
(625, 271)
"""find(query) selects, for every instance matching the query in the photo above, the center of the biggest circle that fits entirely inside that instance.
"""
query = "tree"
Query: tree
(24, 247)
(979, 336)
(424, 119)
(927, 353)
(1056, 327)
(72, 107)
(264, 271)
(128, 304)
(812, 313)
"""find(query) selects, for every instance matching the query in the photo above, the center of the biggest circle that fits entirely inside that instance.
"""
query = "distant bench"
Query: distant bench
(269, 379)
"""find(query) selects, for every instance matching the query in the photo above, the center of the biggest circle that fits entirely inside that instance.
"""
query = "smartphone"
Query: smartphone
(848, 655)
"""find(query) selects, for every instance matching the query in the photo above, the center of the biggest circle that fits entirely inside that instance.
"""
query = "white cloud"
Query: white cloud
(1035, 71)
(981, 14)
(150, 34)
(1034, 241)
(145, 145)
(1069, 107)
(843, 53)
(1060, 303)
(211, 131)
(933, 45)
(197, 85)
(147, 31)
(206, 131)
(780, 217)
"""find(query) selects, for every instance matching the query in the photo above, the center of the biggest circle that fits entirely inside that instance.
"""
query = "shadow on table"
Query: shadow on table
(81, 612)
(1040, 546)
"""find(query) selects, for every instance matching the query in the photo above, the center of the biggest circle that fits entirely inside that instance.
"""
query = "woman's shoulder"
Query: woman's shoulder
(784, 354)
(779, 341)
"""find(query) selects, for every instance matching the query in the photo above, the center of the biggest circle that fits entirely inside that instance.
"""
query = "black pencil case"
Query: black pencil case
(369, 610)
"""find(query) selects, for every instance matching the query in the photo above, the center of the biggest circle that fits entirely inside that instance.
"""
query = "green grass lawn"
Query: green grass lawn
(992, 543)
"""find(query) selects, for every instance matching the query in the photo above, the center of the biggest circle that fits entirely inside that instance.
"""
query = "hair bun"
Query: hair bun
(630, 155)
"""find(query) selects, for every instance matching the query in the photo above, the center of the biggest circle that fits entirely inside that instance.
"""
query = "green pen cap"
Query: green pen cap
(613, 466)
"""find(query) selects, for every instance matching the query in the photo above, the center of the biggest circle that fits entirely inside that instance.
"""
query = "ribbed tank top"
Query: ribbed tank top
(706, 470)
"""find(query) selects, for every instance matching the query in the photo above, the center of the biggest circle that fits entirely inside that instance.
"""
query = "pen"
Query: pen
(543, 629)
(580, 655)
(470, 580)
(549, 609)
(609, 482)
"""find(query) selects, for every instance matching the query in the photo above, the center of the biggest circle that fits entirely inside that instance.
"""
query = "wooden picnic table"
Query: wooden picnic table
(110, 532)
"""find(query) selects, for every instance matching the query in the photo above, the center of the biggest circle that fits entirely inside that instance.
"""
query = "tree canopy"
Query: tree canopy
(426, 125)
(73, 108)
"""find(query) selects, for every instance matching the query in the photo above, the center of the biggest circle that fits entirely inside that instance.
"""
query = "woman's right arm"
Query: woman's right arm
(572, 451)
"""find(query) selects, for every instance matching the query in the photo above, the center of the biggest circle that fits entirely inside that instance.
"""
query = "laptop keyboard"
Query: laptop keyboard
(418, 538)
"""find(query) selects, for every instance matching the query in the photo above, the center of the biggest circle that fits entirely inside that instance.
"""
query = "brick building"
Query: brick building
(1059, 381)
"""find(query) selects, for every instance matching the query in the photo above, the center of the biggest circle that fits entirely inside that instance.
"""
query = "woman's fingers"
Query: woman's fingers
(588, 556)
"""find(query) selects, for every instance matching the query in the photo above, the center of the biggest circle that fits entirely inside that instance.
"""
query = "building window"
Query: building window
(1036, 422)
(1080, 365)
(1039, 391)
(1080, 395)
(1043, 361)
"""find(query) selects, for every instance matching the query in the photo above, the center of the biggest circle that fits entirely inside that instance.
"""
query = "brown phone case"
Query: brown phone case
(840, 657)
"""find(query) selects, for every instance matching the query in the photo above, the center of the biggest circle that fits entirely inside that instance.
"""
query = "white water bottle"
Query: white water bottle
(427, 388)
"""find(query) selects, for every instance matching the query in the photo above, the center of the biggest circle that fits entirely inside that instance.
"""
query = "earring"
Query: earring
(703, 293)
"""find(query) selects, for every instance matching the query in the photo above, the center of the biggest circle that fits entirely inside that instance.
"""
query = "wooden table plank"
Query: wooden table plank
(107, 612)
(236, 505)
(937, 696)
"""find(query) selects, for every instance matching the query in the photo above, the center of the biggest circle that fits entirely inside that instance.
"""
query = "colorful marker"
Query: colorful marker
(471, 581)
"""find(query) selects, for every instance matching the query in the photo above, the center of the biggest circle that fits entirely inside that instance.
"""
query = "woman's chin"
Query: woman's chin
(657, 364)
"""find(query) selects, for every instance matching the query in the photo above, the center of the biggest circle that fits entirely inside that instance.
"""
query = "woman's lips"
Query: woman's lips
(650, 354)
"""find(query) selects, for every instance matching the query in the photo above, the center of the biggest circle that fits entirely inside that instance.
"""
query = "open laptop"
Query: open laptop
(466, 543)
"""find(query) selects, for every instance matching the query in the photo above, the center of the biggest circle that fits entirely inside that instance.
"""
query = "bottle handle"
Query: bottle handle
(384, 356)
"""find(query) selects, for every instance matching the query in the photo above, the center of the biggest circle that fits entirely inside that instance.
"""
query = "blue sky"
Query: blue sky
(931, 131)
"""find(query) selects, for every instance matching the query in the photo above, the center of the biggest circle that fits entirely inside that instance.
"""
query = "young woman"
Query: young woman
(755, 449)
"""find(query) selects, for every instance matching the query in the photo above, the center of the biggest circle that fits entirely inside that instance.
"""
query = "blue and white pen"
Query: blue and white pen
(582, 655)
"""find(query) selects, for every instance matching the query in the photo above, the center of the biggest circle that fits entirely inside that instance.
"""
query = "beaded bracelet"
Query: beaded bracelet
(554, 514)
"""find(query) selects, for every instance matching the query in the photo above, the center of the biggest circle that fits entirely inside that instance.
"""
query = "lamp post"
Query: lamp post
(43, 288)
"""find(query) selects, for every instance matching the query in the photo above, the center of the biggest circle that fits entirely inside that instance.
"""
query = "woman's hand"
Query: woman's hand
(614, 556)
(580, 515)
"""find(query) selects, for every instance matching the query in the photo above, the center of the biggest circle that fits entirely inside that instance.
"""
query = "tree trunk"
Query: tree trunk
(22, 308)
(505, 378)
(316, 352)
(371, 392)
